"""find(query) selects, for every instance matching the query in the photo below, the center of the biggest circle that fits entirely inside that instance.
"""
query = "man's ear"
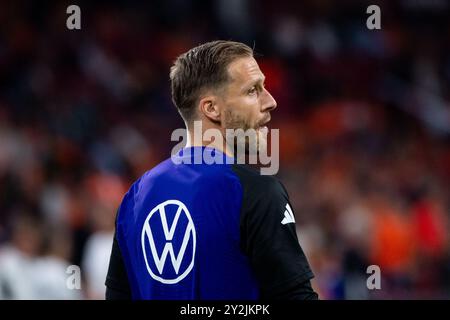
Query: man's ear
(210, 108)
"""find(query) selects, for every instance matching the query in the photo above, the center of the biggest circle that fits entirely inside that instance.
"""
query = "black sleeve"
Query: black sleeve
(117, 285)
(269, 238)
(301, 291)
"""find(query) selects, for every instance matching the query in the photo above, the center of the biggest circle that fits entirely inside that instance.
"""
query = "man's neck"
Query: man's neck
(221, 145)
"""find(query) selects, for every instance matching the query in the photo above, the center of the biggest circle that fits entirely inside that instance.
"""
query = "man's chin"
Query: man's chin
(252, 145)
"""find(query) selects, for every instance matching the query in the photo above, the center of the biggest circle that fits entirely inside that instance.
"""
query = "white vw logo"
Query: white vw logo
(176, 260)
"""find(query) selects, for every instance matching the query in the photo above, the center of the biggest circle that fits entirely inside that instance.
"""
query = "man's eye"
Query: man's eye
(252, 91)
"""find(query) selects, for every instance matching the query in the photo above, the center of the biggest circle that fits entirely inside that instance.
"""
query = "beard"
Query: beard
(243, 137)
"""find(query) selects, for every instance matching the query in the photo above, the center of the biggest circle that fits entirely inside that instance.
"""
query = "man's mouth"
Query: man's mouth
(262, 127)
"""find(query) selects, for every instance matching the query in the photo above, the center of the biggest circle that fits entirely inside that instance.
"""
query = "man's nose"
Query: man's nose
(268, 103)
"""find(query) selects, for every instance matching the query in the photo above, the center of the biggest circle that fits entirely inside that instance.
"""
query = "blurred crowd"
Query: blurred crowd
(364, 119)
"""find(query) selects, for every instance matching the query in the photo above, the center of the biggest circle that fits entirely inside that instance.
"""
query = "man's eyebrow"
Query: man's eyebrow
(257, 80)
(261, 79)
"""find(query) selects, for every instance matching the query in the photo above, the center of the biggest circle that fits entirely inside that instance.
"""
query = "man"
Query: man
(189, 230)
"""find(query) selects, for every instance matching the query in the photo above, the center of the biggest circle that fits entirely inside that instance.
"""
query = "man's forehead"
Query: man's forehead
(244, 69)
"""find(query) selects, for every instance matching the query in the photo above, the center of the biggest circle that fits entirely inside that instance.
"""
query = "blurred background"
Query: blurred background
(364, 119)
